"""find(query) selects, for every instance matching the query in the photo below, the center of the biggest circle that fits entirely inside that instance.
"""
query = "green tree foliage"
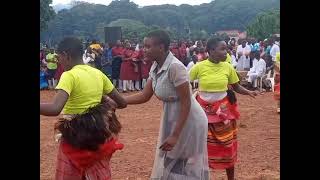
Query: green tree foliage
(46, 13)
(131, 28)
(202, 34)
(265, 24)
(87, 20)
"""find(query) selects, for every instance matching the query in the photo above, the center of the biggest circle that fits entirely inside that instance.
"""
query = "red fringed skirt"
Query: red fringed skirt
(75, 164)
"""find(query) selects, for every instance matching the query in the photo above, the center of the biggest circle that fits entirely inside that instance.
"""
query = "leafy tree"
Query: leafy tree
(87, 20)
(265, 25)
(46, 13)
(201, 34)
(130, 28)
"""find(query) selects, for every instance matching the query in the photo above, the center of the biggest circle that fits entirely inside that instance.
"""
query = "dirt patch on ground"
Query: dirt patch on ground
(259, 140)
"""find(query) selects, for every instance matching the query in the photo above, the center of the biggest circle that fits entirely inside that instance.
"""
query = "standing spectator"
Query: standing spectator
(43, 77)
(145, 68)
(194, 60)
(42, 56)
(234, 59)
(243, 52)
(232, 43)
(127, 74)
(136, 62)
(60, 70)
(97, 50)
(199, 44)
(188, 49)
(274, 49)
(201, 54)
(268, 43)
(95, 45)
(175, 50)
(231, 56)
(89, 57)
(277, 82)
(117, 53)
(106, 61)
(262, 46)
(51, 59)
(254, 45)
(183, 53)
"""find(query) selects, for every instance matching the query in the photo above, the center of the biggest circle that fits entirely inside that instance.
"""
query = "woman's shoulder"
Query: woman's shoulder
(202, 63)
(176, 64)
(227, 65)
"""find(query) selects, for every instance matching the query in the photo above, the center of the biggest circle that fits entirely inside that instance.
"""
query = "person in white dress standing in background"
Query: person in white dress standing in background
(243, 52)
(274, 50)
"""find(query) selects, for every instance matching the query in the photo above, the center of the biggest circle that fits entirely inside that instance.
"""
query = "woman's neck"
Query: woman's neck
(213, 61)
(162, 59)
(75, 64)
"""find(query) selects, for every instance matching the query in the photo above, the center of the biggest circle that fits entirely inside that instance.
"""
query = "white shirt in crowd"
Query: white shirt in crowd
(86, 58)
(273, 51)
(188, 52)
(234, 61)
(254, 63)
(137, 47)
(189, 66)
(243, 61)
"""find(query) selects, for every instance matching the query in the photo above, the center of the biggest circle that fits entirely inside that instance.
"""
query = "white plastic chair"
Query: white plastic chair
(271, 79)
(258, 81)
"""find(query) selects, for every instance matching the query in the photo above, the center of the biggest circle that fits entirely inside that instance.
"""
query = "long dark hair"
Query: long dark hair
(231, 96)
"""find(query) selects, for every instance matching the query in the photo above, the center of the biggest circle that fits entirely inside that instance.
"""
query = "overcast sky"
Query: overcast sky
(140, 2)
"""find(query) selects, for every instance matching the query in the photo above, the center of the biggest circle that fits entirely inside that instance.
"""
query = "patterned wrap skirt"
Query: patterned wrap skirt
(222, 133)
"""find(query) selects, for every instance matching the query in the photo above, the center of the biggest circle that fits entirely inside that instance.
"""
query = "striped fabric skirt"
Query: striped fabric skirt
(66, 170)
(222, 144)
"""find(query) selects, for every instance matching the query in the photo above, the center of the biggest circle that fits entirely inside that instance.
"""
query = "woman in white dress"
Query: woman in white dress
(243, 52)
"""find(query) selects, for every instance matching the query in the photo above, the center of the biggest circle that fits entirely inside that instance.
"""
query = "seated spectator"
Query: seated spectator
(258, 70)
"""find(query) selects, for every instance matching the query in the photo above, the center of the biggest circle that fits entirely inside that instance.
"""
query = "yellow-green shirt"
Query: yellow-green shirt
(52, 61)
(85, 86)
(229, 59)
(213, 77)
(278, 60)
(278, 57)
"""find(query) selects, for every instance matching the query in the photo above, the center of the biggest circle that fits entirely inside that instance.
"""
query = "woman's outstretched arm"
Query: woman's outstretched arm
(141, 97)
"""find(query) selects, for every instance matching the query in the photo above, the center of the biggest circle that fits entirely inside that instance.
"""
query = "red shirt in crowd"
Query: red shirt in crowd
(117, 51)
(183, 53)
(175, 52)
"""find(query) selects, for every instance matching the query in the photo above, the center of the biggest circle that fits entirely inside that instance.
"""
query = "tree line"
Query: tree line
(87, 21)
